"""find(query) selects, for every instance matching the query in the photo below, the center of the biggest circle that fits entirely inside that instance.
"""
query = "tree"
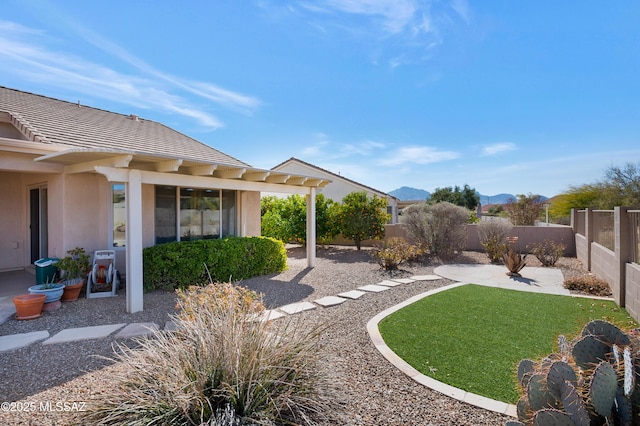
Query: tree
(525, 210)
(467, 197)
(361, 218)
(286, 218)
(623, 185)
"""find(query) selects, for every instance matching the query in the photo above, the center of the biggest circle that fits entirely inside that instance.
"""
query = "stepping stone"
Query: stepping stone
(137, 329)
(170, 326)
(330, 301)
(15, 341)
(373, 288)
(271, 314)
(388, 283)
(404, 280)
(353, 294)
(426, 277)
(295, 308)
(83, 333)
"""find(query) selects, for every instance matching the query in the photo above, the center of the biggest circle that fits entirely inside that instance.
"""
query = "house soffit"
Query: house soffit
(88, 160)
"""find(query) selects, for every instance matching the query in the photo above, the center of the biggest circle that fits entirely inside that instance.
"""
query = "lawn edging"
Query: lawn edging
(436, 385)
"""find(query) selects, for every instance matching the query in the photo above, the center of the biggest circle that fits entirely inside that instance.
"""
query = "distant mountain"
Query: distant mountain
(496, 199)
(407, 193)
(410, 194)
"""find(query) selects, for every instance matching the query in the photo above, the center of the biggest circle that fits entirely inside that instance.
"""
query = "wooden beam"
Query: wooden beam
(205, 170)
(256, 176)
(121, 161)
(229, 173)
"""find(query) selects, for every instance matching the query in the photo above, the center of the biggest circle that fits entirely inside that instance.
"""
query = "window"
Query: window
(187, 214)
(166, 212)
(119, 215)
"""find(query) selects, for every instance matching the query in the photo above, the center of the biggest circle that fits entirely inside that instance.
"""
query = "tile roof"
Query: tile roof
(52, 121)
(337, 176)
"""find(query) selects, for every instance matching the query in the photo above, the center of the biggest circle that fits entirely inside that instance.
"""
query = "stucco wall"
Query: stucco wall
(603, 265)
(527, 236)
(13, 223)
(632, 293)
(582, 249)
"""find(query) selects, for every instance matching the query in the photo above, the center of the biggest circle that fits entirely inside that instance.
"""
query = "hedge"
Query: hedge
(182, 264)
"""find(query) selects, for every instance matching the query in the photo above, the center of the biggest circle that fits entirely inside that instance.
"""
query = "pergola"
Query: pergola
(137, 168)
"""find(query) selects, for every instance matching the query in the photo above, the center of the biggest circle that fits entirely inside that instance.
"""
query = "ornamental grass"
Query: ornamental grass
(223, 365)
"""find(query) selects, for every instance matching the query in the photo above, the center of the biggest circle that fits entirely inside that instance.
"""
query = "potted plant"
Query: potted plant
(52, 290)
(74, 269)
(29, 306)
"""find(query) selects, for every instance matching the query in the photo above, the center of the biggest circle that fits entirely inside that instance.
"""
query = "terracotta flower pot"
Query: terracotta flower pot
(29, 306)
(72, 291)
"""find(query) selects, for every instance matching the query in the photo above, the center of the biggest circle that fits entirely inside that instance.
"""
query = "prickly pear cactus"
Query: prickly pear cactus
(590, 382)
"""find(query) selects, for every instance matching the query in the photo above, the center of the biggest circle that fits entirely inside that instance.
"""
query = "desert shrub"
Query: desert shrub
(589, 284)
(394, 252)
(438, 228)
(361, 218)
(547, 252)
(493, 237)
(181, 264)
(222, 366)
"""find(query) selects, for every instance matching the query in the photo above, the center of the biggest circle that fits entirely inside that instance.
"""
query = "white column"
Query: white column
(311, 228)
(134, 242)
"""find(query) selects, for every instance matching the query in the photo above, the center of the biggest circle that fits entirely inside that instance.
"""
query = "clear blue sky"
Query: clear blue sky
(506, 96)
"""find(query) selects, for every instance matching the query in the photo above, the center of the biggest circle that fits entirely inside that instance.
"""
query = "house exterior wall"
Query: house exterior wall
(13, 223)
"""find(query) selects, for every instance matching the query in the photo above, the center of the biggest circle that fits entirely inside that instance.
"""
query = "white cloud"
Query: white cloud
(417, 155)
(497, 148)
(25, 50)
(395, 14)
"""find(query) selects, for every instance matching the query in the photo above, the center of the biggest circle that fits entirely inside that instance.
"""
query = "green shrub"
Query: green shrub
(221, 366)
(394, 252)
(547, 252)
(493, 237)
(185, 263)
(589, 284)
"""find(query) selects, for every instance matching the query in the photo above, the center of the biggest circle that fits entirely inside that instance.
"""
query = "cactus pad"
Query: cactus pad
(606, 332)
(552, 418)
(526, 367)
(589, 351)
(574, 405)
(558, 373)
(602, 389)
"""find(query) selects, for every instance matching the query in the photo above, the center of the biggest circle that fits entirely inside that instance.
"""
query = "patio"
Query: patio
(13, 283)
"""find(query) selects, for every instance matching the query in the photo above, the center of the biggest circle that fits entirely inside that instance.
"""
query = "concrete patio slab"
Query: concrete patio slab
(15, 341)
(352, 294)
(426, 277)
(329, 301)
(295, 308)
(403, 280)
(137, 329)
(83, 333)
(389, 283)
(372, 288)
(534, 279)
(271, 314)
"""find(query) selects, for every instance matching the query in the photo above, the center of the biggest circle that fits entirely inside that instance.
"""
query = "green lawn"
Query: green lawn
(472, 337)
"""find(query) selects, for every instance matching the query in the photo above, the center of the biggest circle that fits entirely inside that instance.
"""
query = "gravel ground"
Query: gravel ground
(375, 392)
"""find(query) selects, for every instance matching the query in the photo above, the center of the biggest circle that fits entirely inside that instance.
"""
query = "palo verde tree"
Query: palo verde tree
(467, 197)
(361, 218)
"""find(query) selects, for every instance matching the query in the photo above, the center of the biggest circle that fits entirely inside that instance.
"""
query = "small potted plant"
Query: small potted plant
(74, 269)
(52, 290)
